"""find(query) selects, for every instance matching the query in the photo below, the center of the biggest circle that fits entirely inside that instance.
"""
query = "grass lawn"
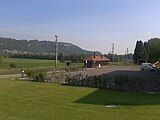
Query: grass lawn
(29, 63)
(46, 101)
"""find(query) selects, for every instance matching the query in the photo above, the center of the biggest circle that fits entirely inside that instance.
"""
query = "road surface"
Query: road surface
(10, 76)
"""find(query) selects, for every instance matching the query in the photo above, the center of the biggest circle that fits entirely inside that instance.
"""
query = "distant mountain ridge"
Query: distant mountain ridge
(36, 46)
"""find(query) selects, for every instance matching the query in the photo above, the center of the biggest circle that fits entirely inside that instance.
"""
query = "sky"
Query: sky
(90, 24)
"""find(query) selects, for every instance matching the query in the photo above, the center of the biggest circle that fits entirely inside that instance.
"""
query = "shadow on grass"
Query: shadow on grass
(114, 97)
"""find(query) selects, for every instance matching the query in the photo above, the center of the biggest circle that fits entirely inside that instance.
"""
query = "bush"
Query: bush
(121, 82)
(36, 75)
(13, 65)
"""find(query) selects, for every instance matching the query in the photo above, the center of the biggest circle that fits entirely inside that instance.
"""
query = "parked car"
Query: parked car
(147, 67)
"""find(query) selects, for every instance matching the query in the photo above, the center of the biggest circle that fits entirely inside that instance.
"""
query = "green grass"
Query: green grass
(46, 101)
(29, 64)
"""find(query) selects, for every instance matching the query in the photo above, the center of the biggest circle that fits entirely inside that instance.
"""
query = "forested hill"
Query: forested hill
(36, 46)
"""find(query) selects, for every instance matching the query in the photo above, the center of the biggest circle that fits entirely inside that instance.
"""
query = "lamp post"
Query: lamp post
(22, 58)
(86, 64)
(112, 53)
(2, 48)
(56, 51)
(22, 67)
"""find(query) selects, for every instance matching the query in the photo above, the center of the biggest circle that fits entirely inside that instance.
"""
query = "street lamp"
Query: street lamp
(2, 48)
(56, 51)
(22, 67)
(22, 58)
(112, 52)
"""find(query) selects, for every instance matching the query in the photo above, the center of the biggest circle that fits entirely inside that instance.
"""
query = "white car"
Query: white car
(147, 67)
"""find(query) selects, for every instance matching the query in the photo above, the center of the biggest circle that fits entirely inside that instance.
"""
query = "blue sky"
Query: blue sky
(90, 24)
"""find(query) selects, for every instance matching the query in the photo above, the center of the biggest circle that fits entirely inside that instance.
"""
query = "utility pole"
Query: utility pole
(56, 51)
(127, 53)
(112, 52)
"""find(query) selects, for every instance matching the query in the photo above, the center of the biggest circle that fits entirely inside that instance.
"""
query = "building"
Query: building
(96, 61)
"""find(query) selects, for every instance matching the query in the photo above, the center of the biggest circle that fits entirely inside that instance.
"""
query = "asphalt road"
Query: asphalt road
(10, 76)
(108, 70)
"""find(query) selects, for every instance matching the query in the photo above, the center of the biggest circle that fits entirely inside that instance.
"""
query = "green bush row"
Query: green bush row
(121, 82)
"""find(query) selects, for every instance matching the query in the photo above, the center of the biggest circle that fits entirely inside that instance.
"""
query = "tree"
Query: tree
(149, 51)
(154, 49)
(138, 52)
(145, 53)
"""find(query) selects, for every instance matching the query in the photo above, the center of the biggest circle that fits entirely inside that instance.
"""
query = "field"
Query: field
(29, 63)
(46, 101)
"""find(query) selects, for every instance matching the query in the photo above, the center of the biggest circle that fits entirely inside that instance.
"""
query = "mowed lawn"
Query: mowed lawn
(30, 64)
(48, 101)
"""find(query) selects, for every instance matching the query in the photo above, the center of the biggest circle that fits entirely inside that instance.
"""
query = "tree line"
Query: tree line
(119, 58)
(148, 51)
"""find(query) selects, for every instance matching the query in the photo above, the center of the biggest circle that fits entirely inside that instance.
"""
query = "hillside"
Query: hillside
(36, 46)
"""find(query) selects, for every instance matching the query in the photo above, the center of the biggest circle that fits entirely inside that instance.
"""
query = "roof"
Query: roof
(97, 58)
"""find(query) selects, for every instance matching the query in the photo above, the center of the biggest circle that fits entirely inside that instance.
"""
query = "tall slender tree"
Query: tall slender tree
(138, 52)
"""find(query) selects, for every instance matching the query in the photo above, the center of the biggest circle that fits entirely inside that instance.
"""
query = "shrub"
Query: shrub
(121, 82)
(36, 75)
(13, 65)
(68, 78)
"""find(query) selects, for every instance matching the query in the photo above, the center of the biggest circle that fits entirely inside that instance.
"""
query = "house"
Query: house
(96, 61)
